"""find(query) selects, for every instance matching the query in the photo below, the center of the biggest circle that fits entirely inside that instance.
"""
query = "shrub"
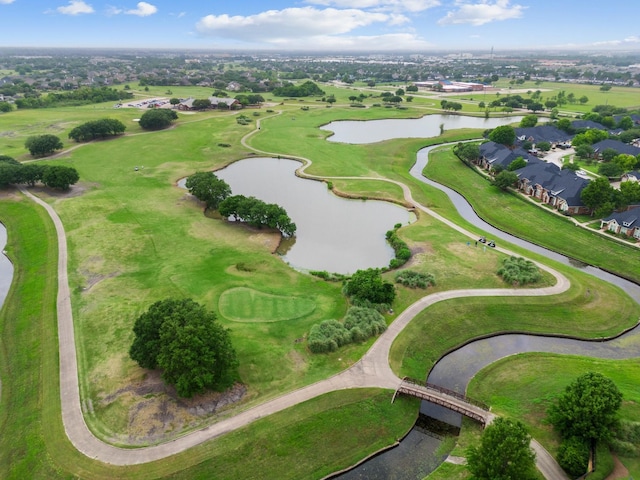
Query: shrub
(412, 279)
(519, 271)
(573, 456)
(401, 249)
(328, 336)
(360, 323)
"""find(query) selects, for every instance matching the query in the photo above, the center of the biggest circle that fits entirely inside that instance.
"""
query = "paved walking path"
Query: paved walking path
(372, 370)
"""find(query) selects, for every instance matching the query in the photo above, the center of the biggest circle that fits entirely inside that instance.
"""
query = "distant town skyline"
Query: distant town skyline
(323, 25)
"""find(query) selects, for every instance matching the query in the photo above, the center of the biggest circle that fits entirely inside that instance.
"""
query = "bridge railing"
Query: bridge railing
(447, 391)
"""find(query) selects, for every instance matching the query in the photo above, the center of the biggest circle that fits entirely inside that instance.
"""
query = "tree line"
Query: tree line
(216, 194)
(81, 96)
(13, 172)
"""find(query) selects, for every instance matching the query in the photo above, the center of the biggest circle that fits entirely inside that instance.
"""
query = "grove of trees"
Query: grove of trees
(183, 339)
(504, 135)
(55, 176)
(257, 213)
(208, 188)
(306, 89)
(80, 96)
(103, 128)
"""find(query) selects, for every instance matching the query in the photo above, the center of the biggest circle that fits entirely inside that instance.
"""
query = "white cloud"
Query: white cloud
(482, 12)
(111, 10)
(6, 2)
(633, 39)
(381, 5)
(143, 9)
(291, 24)
(75, 7)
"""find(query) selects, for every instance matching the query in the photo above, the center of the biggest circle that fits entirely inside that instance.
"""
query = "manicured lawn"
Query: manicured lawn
(243, 304)
(524, 386)
(509, 212)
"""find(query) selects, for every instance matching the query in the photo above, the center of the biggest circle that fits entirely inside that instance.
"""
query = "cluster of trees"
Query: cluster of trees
(367, 288)
(585, 413)
(603, 199)
(257, 213)
(467, 152)
(13, 172)
(103, 128)
(43, 145)
(510, 102)
(208, 188)
(614, 164)
(519, 271)
(360, 323)
(81, 96)
(157, 118)
(184, 340)
(447, 105)
(306, 89)
(249, 99)
(216, 194)
(389, 97)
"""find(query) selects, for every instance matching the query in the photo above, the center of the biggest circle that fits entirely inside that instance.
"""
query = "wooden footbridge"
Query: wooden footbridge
(445, 398)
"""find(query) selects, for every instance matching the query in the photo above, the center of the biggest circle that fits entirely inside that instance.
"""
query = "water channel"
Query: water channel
(6, 267)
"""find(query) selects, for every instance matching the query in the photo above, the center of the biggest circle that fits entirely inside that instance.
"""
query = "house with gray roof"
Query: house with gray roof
(616, 145)
(559, 188)
(631, 177)
(494, 154)
(625, 223)
(543, 133)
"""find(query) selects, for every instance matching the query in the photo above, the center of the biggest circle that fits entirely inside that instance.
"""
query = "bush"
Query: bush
(157, 118)
(573, 456)
(401, 249)
(359, 324)
(368, 285)
(412, 279)
(519, 271)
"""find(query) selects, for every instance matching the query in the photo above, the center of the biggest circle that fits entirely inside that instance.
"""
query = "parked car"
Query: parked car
(491, 243)
(482, 240)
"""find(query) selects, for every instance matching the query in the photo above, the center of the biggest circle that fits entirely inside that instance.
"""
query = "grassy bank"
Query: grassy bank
(524, 386)
(512, 213)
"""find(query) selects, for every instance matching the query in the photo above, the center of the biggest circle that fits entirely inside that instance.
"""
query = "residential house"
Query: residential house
(626, 223)
(616, 145)
(631, 177)
(559, 188)
(493, 154)
(231, 103)
(542, 133)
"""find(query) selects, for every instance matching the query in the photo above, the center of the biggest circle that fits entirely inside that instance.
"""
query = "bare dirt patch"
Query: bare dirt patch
(619, 470)
(157, 413)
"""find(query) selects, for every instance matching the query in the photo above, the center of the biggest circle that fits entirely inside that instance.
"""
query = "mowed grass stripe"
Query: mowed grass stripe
(244, 304)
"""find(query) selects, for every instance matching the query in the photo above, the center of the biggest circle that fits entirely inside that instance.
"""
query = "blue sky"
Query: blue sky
(325, 25)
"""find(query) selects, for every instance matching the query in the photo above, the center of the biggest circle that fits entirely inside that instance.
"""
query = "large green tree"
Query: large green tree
(504, 453)
(59, 176)
(43, 145)
(184, 340)
(597, 193)
(505, 179)
(208, 188)
(529, 121)
(157, 118)
(588, 408)
(504, 135)
(369, 286)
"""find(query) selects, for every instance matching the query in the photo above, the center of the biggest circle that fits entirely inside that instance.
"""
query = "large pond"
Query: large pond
(371, 131)
(333, 233)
